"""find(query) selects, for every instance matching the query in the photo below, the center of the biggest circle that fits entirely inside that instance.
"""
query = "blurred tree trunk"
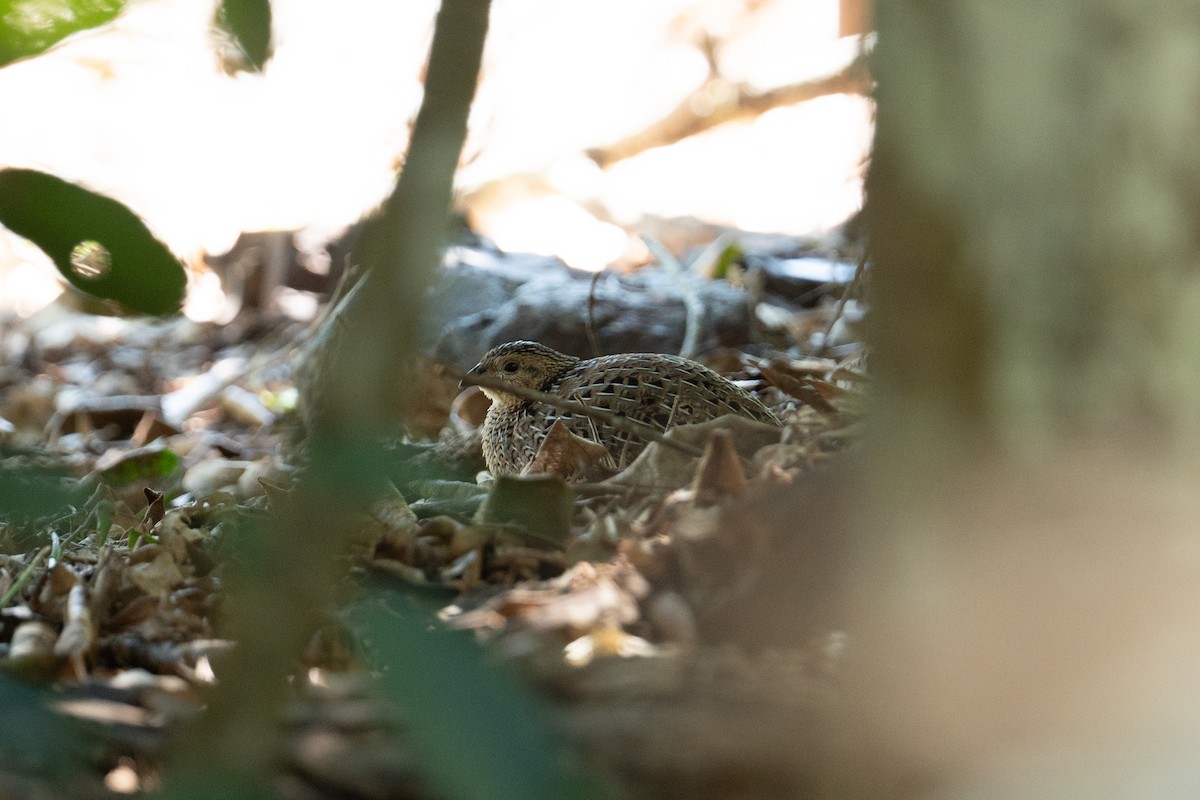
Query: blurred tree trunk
(1026, 587)
(289, 569)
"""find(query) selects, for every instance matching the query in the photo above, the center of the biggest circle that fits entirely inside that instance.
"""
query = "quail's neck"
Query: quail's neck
(502, 399)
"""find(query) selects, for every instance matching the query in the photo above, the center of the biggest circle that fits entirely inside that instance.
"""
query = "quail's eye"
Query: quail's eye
(511, 366)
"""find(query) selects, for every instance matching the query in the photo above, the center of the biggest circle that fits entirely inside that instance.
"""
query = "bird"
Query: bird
(658, 390)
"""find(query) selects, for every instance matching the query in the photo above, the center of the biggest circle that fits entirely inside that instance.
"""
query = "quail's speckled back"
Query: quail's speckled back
(659, 390)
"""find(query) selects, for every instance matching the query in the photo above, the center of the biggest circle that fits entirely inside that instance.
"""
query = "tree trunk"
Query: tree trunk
(1026, 588)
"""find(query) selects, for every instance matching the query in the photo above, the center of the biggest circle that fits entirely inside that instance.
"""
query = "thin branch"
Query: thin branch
(593, 339)
(694, 310)
(743, 102)
(840, 308)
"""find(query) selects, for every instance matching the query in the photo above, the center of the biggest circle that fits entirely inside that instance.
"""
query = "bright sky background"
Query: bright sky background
(139, 110)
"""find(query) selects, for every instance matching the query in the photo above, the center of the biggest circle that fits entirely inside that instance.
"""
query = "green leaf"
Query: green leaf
(33, 738)
(28, 492)
(149, 463)
(30, 27)
(98, 244)
(729, 255)
(245, 25)
(541, 504)
(481, 734)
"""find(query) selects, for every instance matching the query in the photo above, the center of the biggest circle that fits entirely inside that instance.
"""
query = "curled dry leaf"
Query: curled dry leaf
(157, 576)
(720, 472)
(563, 453)
(606, 641)
(466, 571)
(179, 525)
(387, 520)
(437, 387)
(664, 468)
(51, 598)
(803, 390)
(468, 538)
(210, 475)
(78, 635)
(583, 599)
(154, 508)
(470, 406)
(31, 651)
(133, 613)
(391, 510)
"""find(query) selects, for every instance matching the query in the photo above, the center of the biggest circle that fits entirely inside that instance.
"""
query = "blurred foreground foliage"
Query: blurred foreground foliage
(478, 731)
(246, 25)
(28, 491)
(98, 245)
(30, 27)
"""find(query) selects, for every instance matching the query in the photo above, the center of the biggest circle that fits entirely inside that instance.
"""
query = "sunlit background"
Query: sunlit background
(141, 111)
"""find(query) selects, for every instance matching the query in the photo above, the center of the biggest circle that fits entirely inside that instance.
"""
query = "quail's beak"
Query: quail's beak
(468, 380)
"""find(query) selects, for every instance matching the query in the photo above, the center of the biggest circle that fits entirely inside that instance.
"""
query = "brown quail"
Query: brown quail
(659, 390)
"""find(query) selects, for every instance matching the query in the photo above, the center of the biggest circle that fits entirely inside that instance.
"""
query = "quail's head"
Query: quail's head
(527, 364)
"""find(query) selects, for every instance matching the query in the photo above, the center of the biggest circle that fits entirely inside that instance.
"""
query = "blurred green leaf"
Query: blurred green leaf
(99, 245)
(245, 27)
(147, 463)
(33, 739)
(30, 27)
(480, 733)
(28, 492)
(729, 255)
(541, 505)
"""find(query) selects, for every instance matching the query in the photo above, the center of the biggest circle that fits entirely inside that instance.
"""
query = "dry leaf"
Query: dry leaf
(155, 508)
(388, 519)
(79, 633)
(720, 472)
(436, 389)
(566, 454)
(607, 641)
(666, 468)
(31, 651)
(51, 599)
(391, 510)
(471, 406)
(157, 576)
(802, 390)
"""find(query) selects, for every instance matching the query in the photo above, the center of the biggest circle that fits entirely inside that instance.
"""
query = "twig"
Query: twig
(23, 578)
(593, 340)
(625, 424)
(841, 303)
(693, 307)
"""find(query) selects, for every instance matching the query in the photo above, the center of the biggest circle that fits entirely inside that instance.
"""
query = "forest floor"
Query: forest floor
(675, 619)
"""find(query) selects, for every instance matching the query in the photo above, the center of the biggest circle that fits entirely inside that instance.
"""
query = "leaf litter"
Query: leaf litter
(614, 592)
